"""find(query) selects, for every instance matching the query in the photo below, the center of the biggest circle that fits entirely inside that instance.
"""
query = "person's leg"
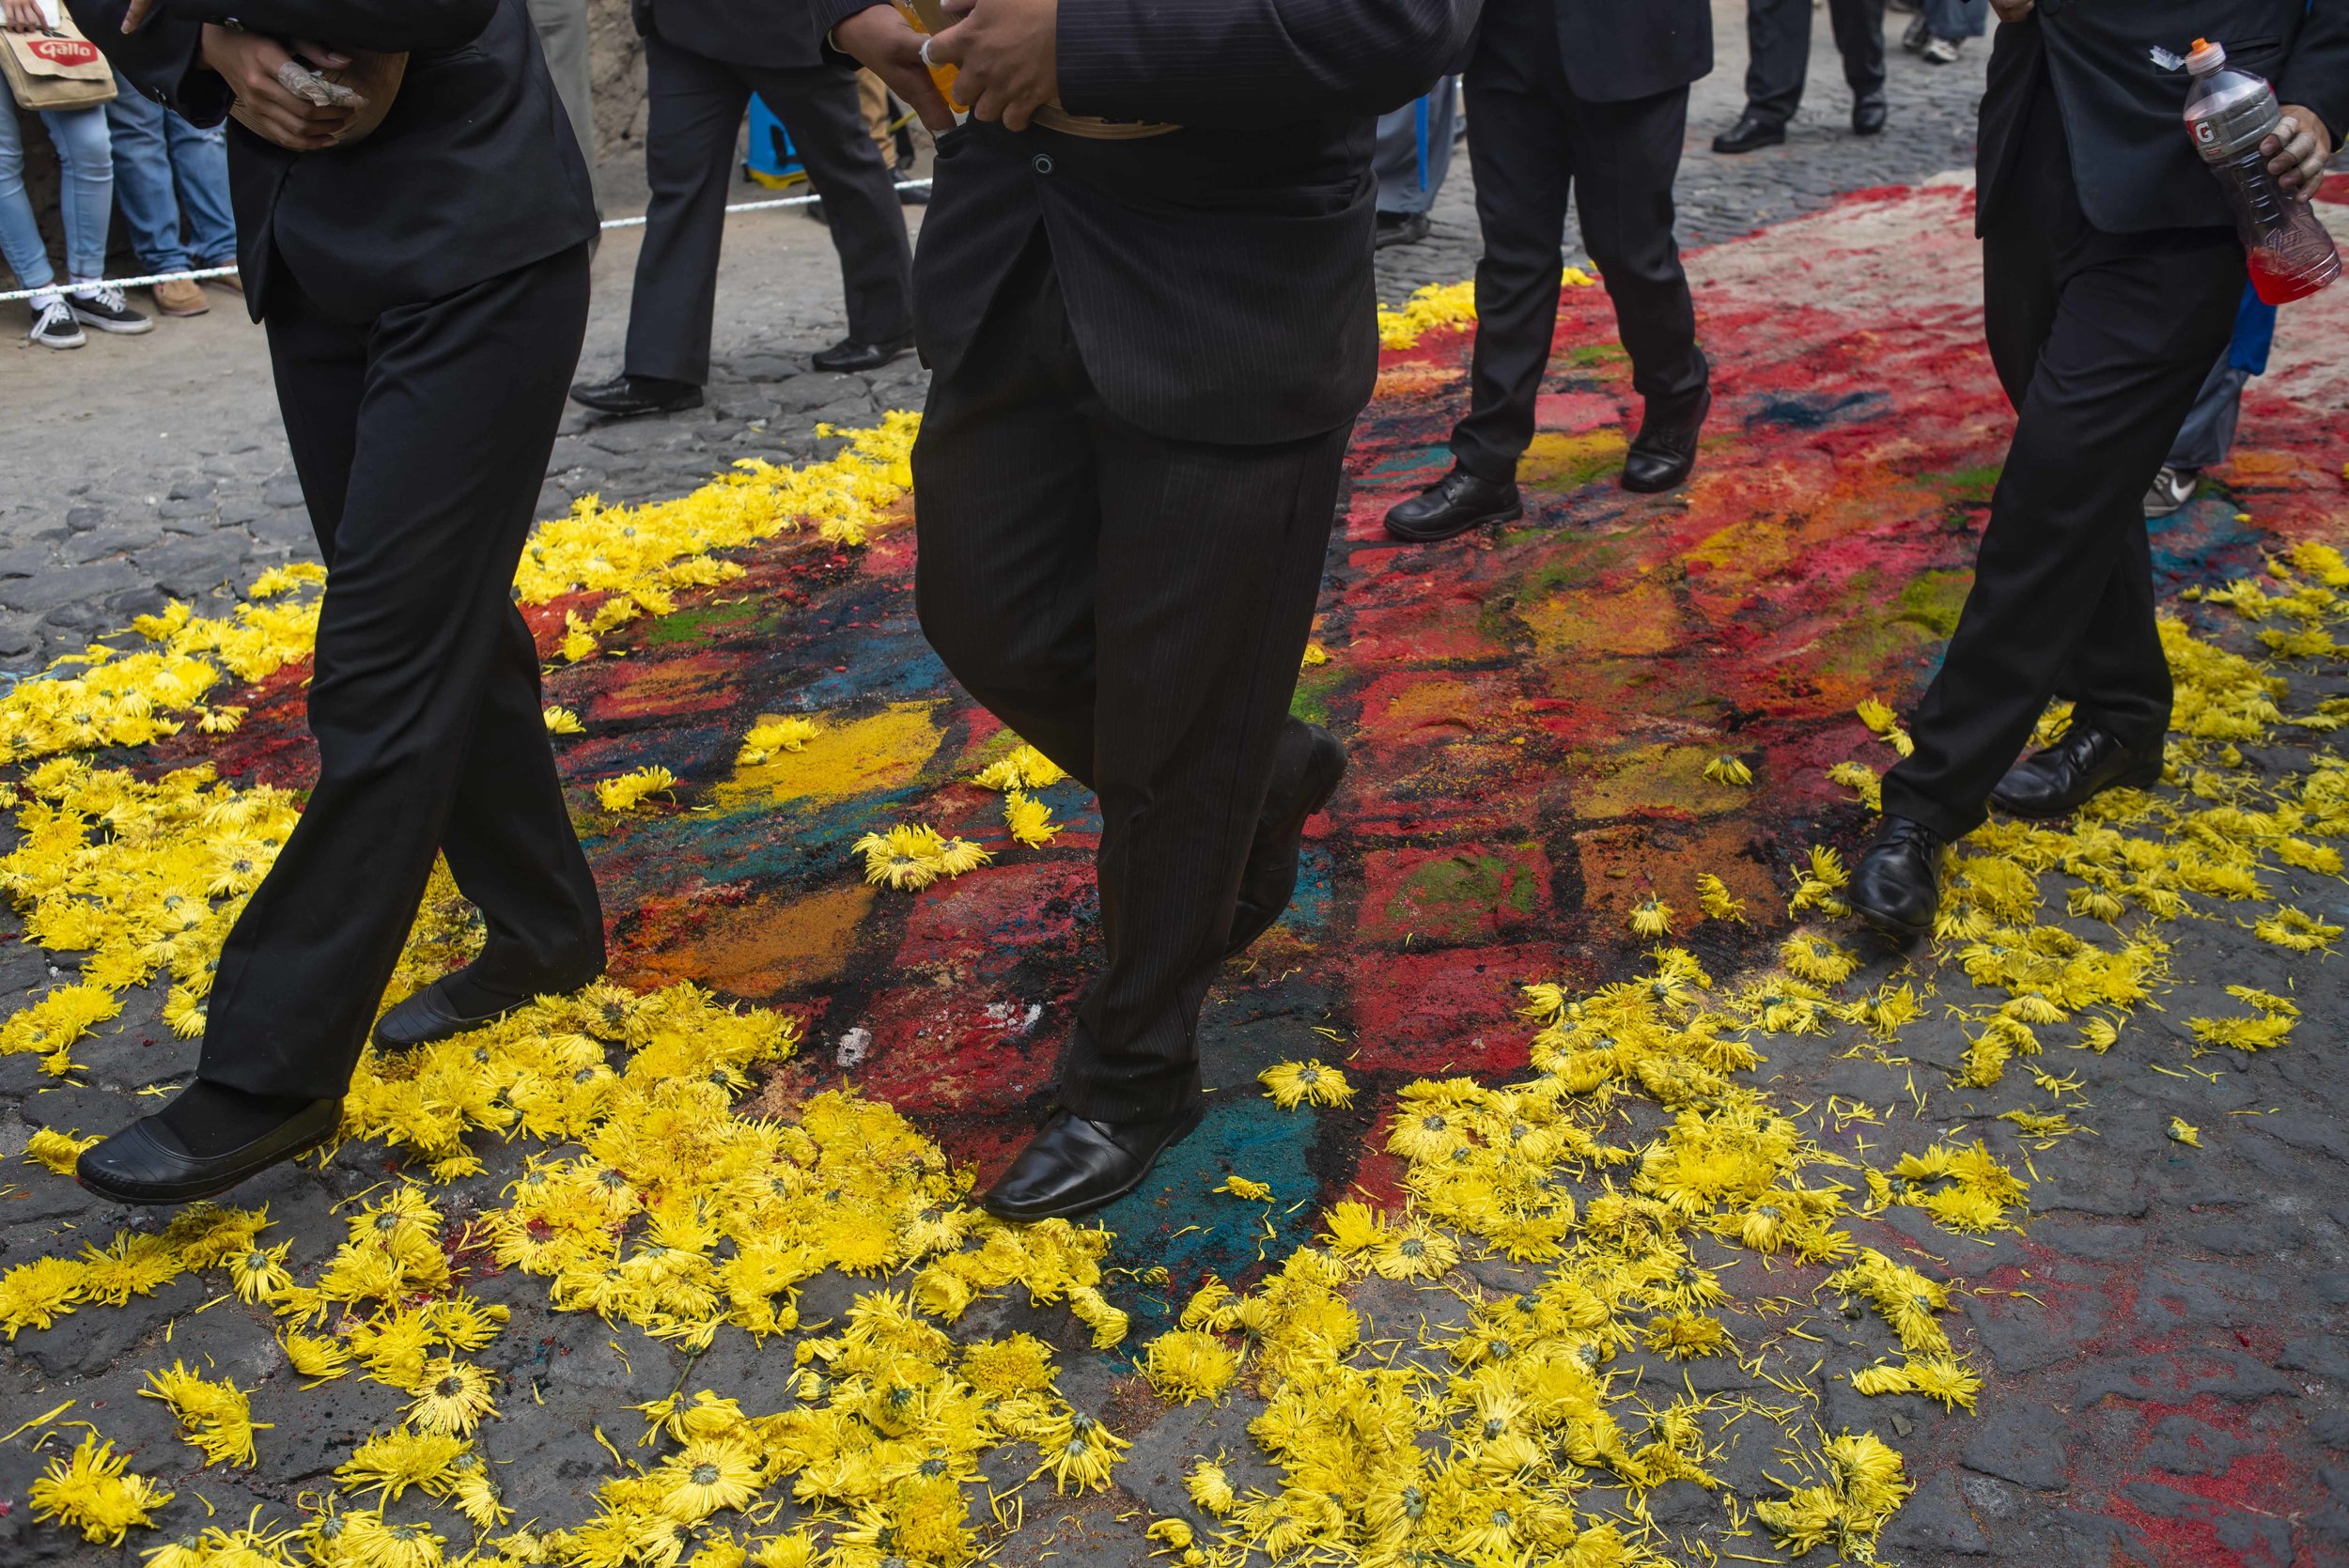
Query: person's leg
(2207, 435)
(2133, 336)
(200, 166)
(458, 415)
(819, 109)
(21, 242)
(87, 196)
(1859, 28)
(1210, 561)
(143, 183)
(694, 107)
(871, 103)
(1008, 522)
(1778, 57)
(562, 29)
(1625, 157)
(1517, 102)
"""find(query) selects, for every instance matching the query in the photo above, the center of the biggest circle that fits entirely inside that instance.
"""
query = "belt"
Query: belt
(1094, 129)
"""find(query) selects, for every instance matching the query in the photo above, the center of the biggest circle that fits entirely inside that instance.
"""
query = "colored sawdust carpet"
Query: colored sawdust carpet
(1578, 1186)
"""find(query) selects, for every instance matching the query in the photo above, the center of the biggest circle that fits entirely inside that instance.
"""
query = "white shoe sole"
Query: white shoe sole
(60, 343)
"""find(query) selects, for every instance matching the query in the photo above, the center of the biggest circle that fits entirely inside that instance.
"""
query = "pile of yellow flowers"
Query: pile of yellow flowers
(1610, 1181)
(637, 557)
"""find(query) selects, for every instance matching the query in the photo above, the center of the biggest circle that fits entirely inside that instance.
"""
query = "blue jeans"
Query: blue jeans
(1956, 19)
(82, 149)
(169, 173)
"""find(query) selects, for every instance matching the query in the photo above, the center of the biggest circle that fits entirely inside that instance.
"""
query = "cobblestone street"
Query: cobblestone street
(2164, 1354)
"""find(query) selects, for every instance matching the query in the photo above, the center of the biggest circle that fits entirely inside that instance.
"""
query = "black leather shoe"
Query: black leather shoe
(849, 354)
(1398, 228)
(627, 396)
(1664, 453)
(429, 1014)
(2061, 779)
(1308, 765)
(1751, 131)
(1868, 114)
(1453, 504)
(1896, 887)
(1074, 1166)
(144, 1164)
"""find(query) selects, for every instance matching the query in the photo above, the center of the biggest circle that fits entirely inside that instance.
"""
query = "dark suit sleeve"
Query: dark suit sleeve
(388, 26)
(161, 59)
(2317, 74)
(1253, 62)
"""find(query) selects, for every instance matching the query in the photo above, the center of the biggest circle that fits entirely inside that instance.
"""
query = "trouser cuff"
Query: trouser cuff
(1900, 800)
(1151, 1099)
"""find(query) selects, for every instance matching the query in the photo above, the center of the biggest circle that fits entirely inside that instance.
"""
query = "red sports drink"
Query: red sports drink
(2229, 113)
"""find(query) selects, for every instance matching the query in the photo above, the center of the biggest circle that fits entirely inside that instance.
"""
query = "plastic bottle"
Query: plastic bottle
(2229, 113)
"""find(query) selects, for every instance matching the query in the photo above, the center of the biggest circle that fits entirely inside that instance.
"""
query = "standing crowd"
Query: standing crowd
(1145, 293)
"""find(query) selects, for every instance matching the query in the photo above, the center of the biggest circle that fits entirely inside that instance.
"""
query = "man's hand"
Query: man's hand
(250, 64)
(2297, 151)
(2014, 10)
(1006, 51)
(21, 16)
(887, 44)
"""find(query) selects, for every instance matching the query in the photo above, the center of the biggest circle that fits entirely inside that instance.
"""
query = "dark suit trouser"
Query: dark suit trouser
(2101, 341)
(1136, 608)
(421, 440)
(1535, 146)
(1778, 44)
(694, 113)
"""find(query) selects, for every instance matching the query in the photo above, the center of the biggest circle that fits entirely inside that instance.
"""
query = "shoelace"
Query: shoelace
(105, 296)
(56, 310)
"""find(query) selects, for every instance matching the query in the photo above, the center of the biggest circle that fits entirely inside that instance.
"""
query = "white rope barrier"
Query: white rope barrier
(200, 273)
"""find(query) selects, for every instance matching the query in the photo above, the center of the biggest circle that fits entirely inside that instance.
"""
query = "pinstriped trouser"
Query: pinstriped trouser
(1136, 608)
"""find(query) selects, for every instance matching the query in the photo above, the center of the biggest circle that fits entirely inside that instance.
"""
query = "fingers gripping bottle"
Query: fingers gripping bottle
(2229, 113)
(927, 17)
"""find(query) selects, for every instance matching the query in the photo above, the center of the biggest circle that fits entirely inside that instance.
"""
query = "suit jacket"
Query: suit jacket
(2134, 167)
(765, 32)
(1218, 277)
(475, 171)
(1619, 50)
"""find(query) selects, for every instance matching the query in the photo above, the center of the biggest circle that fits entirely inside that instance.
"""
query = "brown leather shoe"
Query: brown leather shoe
(232, 282)
(179, 296)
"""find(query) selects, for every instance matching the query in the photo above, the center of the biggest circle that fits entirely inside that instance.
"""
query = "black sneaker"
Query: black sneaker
(54, 326)
(102, 306)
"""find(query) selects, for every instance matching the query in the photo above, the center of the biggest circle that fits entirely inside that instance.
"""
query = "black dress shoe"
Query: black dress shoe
(2085, 763)
(849, 354)
(1308, 765)
(145, 1163)
(1868, 114)
(1896, 887)
(1453, 504)
(1750, 132)
(429, 1014)
(1074, 1166)
(1664, 453)
(913, 196)
(627, 396)
(1398, 228)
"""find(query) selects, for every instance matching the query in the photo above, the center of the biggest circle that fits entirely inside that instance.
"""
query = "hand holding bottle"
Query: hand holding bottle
(2298, 151)
(882, 40)
(1005, 55)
